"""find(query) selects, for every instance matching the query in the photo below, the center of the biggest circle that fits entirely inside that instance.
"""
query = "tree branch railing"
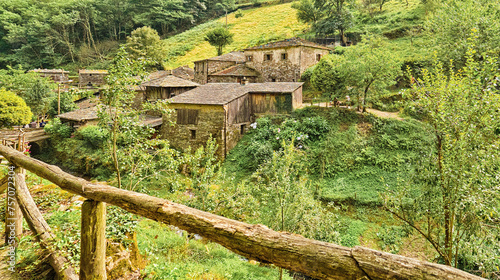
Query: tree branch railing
(317, 259)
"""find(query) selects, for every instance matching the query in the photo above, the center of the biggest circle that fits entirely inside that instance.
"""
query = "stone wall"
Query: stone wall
(309, 57)
(206, 67)
(210, 122)
(229, 79)
(277, 68)
(91, 79)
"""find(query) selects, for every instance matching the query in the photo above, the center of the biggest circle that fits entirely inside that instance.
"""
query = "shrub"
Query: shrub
(238, 14)
(93, 135)
(57, 129)
(13, 109)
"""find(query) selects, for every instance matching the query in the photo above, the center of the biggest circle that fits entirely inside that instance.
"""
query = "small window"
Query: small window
(242, 129)
(193, 133)
(284, 56)
(268, 57)
(273, 80)
(249, 57)
(318, 57)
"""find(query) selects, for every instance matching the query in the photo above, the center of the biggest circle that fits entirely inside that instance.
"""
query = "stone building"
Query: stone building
(204, 68)
(57, 75)
(225, 111)
(166, 87)
(91, 78)
(282, 61)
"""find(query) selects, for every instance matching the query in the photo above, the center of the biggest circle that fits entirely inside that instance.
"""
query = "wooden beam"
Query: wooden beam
(13, 215)
(317, 259)
(42, 231)
(93, 242)
(3, 183)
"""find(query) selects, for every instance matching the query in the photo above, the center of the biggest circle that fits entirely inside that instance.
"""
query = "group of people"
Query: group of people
(336, 102)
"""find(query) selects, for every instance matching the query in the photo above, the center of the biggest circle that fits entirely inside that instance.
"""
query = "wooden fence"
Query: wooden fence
(317, 259)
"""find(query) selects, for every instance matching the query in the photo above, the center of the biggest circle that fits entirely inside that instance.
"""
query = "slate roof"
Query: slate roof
(236, 56)
(50, 71)
(169, 81)
(292, 42)
(237, 70)
(85, 71)
(223, 93)
(183, 72)
(79, 115)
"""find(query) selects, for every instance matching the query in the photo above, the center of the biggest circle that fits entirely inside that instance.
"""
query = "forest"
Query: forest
(409, 164)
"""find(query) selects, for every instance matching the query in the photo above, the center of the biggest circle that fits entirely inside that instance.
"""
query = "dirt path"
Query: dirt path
(387, 115)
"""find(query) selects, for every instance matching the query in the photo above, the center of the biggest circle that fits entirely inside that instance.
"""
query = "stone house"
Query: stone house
(282, 61)
(91, 78)
(206, 67)
(225, 111)
(57, 75)
(166, 87)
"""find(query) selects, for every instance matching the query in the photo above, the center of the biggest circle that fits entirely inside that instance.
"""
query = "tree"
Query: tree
(144, 42)
(453, 197)
(451, 24)
(67, 104)
(368, 66)
(219, 38)
(326, 16)
(13, 109)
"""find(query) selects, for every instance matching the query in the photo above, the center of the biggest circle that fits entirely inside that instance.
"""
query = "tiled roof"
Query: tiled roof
(169, 81)
(183, 72)
(223, 93)
(292, 42)
(50, 71)
(232, 56)
(85, 71)
(86, 114)
(237, 70)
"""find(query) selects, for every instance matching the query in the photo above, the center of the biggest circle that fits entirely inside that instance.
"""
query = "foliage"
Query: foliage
(452, 23)
(57, 129)
(326, 16)
(120, 224)
(94, 135)
(219, 38)
(13, 109)
(286, 198)
(145, 43)
(367, 66)
(459, 182)
(238, 14)
(61, 32)
(67, 104)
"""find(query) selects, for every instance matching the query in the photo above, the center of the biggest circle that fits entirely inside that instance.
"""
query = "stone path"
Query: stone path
(381, 114)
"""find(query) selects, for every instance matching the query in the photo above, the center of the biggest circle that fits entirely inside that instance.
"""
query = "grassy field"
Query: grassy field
(257, 26)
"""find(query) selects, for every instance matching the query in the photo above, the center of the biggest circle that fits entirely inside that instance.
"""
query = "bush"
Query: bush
(93, 135)
(238, 14)
(57, 129)
(13, 109)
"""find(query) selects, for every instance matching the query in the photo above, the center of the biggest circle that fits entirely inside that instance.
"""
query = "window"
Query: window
(242, 129)
(193, 133)
(318, 57)
(268, 57)
(187, 116)
(249, 57)
(273, 80)
(284, 56)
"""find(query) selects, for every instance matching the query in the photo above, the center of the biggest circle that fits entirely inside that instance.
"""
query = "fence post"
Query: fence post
(13, 214)
(93, 243)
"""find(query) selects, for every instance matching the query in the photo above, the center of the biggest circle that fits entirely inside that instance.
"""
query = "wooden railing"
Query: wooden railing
(317, 259)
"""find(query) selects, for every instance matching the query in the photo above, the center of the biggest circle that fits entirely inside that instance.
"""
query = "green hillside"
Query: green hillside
(257, 26)
(399, 22)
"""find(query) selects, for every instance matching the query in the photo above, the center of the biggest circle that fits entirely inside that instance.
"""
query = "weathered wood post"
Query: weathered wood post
(93, 244)
(13, 214)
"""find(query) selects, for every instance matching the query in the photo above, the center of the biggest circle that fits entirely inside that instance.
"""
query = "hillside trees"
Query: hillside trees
(326, 16)
(452, 23)
(13, 109)
(219, 38)
(358, 71)
(458, 190)
(145, 43)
